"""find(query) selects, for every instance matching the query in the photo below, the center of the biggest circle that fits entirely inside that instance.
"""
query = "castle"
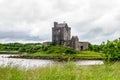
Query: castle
(61, 35)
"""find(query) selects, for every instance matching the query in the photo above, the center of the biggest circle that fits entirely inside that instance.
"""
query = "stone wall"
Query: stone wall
(61, 35)
(47, 43)
(83, 45)
(75, 43)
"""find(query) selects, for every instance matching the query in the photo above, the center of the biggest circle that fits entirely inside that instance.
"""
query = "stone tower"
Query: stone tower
(61, 34)
(74, 43)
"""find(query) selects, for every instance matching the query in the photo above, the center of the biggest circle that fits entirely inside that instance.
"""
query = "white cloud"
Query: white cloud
(91, 20)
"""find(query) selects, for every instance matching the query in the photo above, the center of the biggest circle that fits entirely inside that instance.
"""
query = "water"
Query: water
(31, 63)
(27, 63)
(89, 62)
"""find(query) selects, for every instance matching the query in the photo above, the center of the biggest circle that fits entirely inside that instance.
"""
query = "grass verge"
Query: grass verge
(9, 52)
(85, 55)
(69, 71)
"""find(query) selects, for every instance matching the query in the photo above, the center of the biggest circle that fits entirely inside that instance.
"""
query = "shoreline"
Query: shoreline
(56, 58)
(9, 52)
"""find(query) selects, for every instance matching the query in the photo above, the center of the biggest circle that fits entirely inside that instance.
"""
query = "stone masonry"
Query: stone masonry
(61, 35)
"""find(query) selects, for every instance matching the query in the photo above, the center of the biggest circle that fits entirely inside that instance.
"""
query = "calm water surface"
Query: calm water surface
(30, 63)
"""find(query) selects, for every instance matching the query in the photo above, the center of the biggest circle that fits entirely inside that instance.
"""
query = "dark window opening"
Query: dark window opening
(81, 47)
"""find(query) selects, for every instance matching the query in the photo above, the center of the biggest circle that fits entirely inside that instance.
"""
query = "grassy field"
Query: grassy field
(9, 52)
(69, 71)
(80, 54)
(61, 52)
(89, 54)
(85, 55)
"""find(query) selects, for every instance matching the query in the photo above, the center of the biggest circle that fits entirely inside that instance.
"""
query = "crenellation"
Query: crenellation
(61, 35)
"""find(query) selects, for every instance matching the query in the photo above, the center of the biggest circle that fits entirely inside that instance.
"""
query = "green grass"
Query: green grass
(79, 54)
(6, 52)
(42, 54)
(69, 71)
(89, 54)
(60, 51)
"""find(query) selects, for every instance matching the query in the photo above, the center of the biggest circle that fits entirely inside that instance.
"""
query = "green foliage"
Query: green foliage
(10, 46)
(69, 71)
(35, 47)
(111, 50)
(95, 48)
(89, 54)
(29, 48)
(59, 50)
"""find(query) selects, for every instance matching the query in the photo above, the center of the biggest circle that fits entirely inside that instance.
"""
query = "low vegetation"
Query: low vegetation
(84, 55)
(110, 50)
(68, 71)
(47, 52)
(78, 54)
(19, 47)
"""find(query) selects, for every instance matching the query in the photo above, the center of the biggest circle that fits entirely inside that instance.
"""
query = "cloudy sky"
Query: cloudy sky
(31, 20)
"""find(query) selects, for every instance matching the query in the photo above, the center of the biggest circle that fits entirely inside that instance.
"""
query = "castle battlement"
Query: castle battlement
(61, 35)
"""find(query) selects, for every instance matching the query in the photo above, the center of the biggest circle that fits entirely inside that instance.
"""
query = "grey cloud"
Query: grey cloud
(93, 33)
(65, 6)
(91, 20)
(22, 11)
(20, 36)
(98, 34)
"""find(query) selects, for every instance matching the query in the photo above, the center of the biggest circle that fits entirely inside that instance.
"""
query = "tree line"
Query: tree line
(35, 47)
(110, 50)
(19, 47)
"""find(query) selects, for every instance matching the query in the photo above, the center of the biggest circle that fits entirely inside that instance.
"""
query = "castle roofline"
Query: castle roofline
(56, 24)
(84, 42)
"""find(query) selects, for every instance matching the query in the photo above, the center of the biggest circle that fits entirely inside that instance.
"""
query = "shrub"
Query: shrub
(111, 50)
